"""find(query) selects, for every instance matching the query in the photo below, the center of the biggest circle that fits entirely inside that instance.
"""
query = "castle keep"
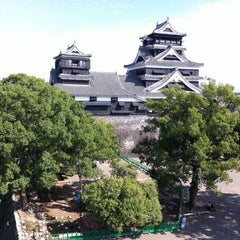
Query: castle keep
(160, 63)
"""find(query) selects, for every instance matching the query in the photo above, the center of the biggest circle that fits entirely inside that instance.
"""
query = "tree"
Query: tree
(122, 169)
(197, 136)
(33, 130)
(95, 141)
(42, 131)
(123, 202)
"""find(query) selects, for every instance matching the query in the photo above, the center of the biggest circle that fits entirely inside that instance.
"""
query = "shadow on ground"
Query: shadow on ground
(222, 224)
(7, 220)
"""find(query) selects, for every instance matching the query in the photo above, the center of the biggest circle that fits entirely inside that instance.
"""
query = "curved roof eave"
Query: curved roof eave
(162, 27)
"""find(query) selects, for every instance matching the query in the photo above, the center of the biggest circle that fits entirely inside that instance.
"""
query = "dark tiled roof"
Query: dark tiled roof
(154, 61)
(105, 84)
(165, 63)
(144, 52)
(164, 46)
(73, 51)
(160, 25)
(193, 78)
(160, 77)
(134, 85)
(75, 77)
(172, 63)
(97, 103)
(166, 28)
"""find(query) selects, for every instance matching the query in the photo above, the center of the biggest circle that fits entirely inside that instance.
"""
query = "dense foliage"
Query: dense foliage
(197, 136)
(123, 169)
(43, 131)
(123, 202)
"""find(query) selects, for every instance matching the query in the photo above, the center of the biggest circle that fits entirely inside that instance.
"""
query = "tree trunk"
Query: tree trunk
(80, 183)
(23, 199)
(80, 190)
(193, 191)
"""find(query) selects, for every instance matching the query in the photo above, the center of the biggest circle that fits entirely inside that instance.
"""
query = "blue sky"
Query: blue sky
(34, 31)
(75, 15)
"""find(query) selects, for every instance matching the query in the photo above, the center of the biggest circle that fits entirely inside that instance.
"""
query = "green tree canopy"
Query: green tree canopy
(43, 131)
(197, 136)
(123, 169)
(123, 202)
(95, 141)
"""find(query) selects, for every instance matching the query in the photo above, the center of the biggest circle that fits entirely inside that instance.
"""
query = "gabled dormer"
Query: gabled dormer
(142, 55)
(73, 50)
(166, 28)
(170, 55)
(175, 77)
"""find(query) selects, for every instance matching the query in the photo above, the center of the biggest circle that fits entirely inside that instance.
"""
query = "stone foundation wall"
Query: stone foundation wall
(128, 130)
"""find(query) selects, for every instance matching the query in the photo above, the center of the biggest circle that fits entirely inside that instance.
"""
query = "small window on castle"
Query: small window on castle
(171, 57)
(82, 63)
(69, 62)
(167, 30)
(75, 72)
(75, 63)
(93, 99)
(114, 99)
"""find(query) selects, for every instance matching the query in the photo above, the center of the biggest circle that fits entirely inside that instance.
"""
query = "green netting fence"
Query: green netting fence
(131, 231)
(136, 164)
(128, 232)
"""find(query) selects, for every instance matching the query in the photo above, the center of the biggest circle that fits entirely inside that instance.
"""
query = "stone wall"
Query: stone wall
(128, 130)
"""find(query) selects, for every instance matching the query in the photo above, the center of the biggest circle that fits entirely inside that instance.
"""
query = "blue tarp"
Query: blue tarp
(77, 197)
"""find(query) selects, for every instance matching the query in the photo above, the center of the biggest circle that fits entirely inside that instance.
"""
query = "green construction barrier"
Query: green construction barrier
(163, 227)
(136, 164)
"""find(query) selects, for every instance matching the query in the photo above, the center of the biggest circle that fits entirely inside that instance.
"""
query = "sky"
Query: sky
(33, 32)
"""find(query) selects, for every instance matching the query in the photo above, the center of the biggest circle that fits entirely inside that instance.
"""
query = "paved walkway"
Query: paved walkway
(224, 224)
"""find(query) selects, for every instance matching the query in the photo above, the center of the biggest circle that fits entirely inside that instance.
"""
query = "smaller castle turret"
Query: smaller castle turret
(71, 67)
